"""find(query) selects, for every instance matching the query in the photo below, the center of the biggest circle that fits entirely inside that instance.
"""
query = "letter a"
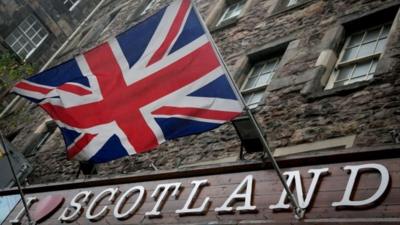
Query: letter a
(247, 187)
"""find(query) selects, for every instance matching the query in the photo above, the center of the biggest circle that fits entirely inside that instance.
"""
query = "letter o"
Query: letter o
(124, 198)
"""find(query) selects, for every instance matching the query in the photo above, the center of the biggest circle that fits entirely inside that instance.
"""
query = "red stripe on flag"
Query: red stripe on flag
(74, 89)
(79, 145)
(173, 32)
(30, 87)
(196, 112)
(119, 106)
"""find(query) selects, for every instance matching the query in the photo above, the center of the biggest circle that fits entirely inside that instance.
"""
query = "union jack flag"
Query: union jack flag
(157, 81)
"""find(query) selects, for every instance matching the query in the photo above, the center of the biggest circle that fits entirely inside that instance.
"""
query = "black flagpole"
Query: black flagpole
(299, 212)
(21, 193)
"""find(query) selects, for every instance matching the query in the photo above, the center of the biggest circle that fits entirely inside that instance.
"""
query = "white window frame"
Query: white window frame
(255, 89)
(376, 56)
(232, 7)
(73, 3)
(149, 5)
(24, 35)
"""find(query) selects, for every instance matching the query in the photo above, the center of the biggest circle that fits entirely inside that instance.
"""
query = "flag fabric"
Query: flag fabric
(159, 80)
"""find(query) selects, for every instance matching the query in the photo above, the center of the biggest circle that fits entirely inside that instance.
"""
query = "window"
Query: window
(71, 4)
(291, 3)
(27, 37)
(7, 204)
(359, 56)
(149, 5)
(231, 11)
(283, 5)
(259, 77)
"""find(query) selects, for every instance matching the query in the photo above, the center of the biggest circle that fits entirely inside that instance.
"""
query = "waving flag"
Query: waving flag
(159, 80)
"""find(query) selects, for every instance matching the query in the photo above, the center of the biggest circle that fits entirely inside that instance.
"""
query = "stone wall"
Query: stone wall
(296, 109)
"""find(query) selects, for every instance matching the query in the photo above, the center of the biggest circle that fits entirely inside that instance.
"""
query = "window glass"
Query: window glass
(350, 53)
(355, 40)
(36, 39)
(24, 25)
(17, 45)
(381, 45)
(36, 26)
(7, 204)
(264, 79)
(31, 20)
(345, 73)
(371, 35)
(43, 33)
(251, 82)
(373, 67)
(254, 98)
(367, 49)
(361, 69)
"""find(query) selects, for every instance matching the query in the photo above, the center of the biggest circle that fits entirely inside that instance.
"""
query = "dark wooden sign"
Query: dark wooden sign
(366, 192)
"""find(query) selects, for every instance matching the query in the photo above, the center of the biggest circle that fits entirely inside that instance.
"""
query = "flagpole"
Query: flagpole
(299, 212)
(21, 193)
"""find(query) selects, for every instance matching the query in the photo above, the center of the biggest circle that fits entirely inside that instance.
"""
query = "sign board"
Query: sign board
(366, 192)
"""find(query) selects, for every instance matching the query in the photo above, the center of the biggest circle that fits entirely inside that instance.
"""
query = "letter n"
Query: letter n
(296, 177)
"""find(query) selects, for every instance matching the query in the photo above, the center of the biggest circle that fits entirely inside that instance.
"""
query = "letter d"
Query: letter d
(354, 171)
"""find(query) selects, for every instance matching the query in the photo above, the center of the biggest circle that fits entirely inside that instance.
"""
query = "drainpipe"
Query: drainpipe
(62, 47)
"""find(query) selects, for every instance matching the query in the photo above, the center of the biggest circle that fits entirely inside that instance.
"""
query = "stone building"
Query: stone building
(321, 77)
